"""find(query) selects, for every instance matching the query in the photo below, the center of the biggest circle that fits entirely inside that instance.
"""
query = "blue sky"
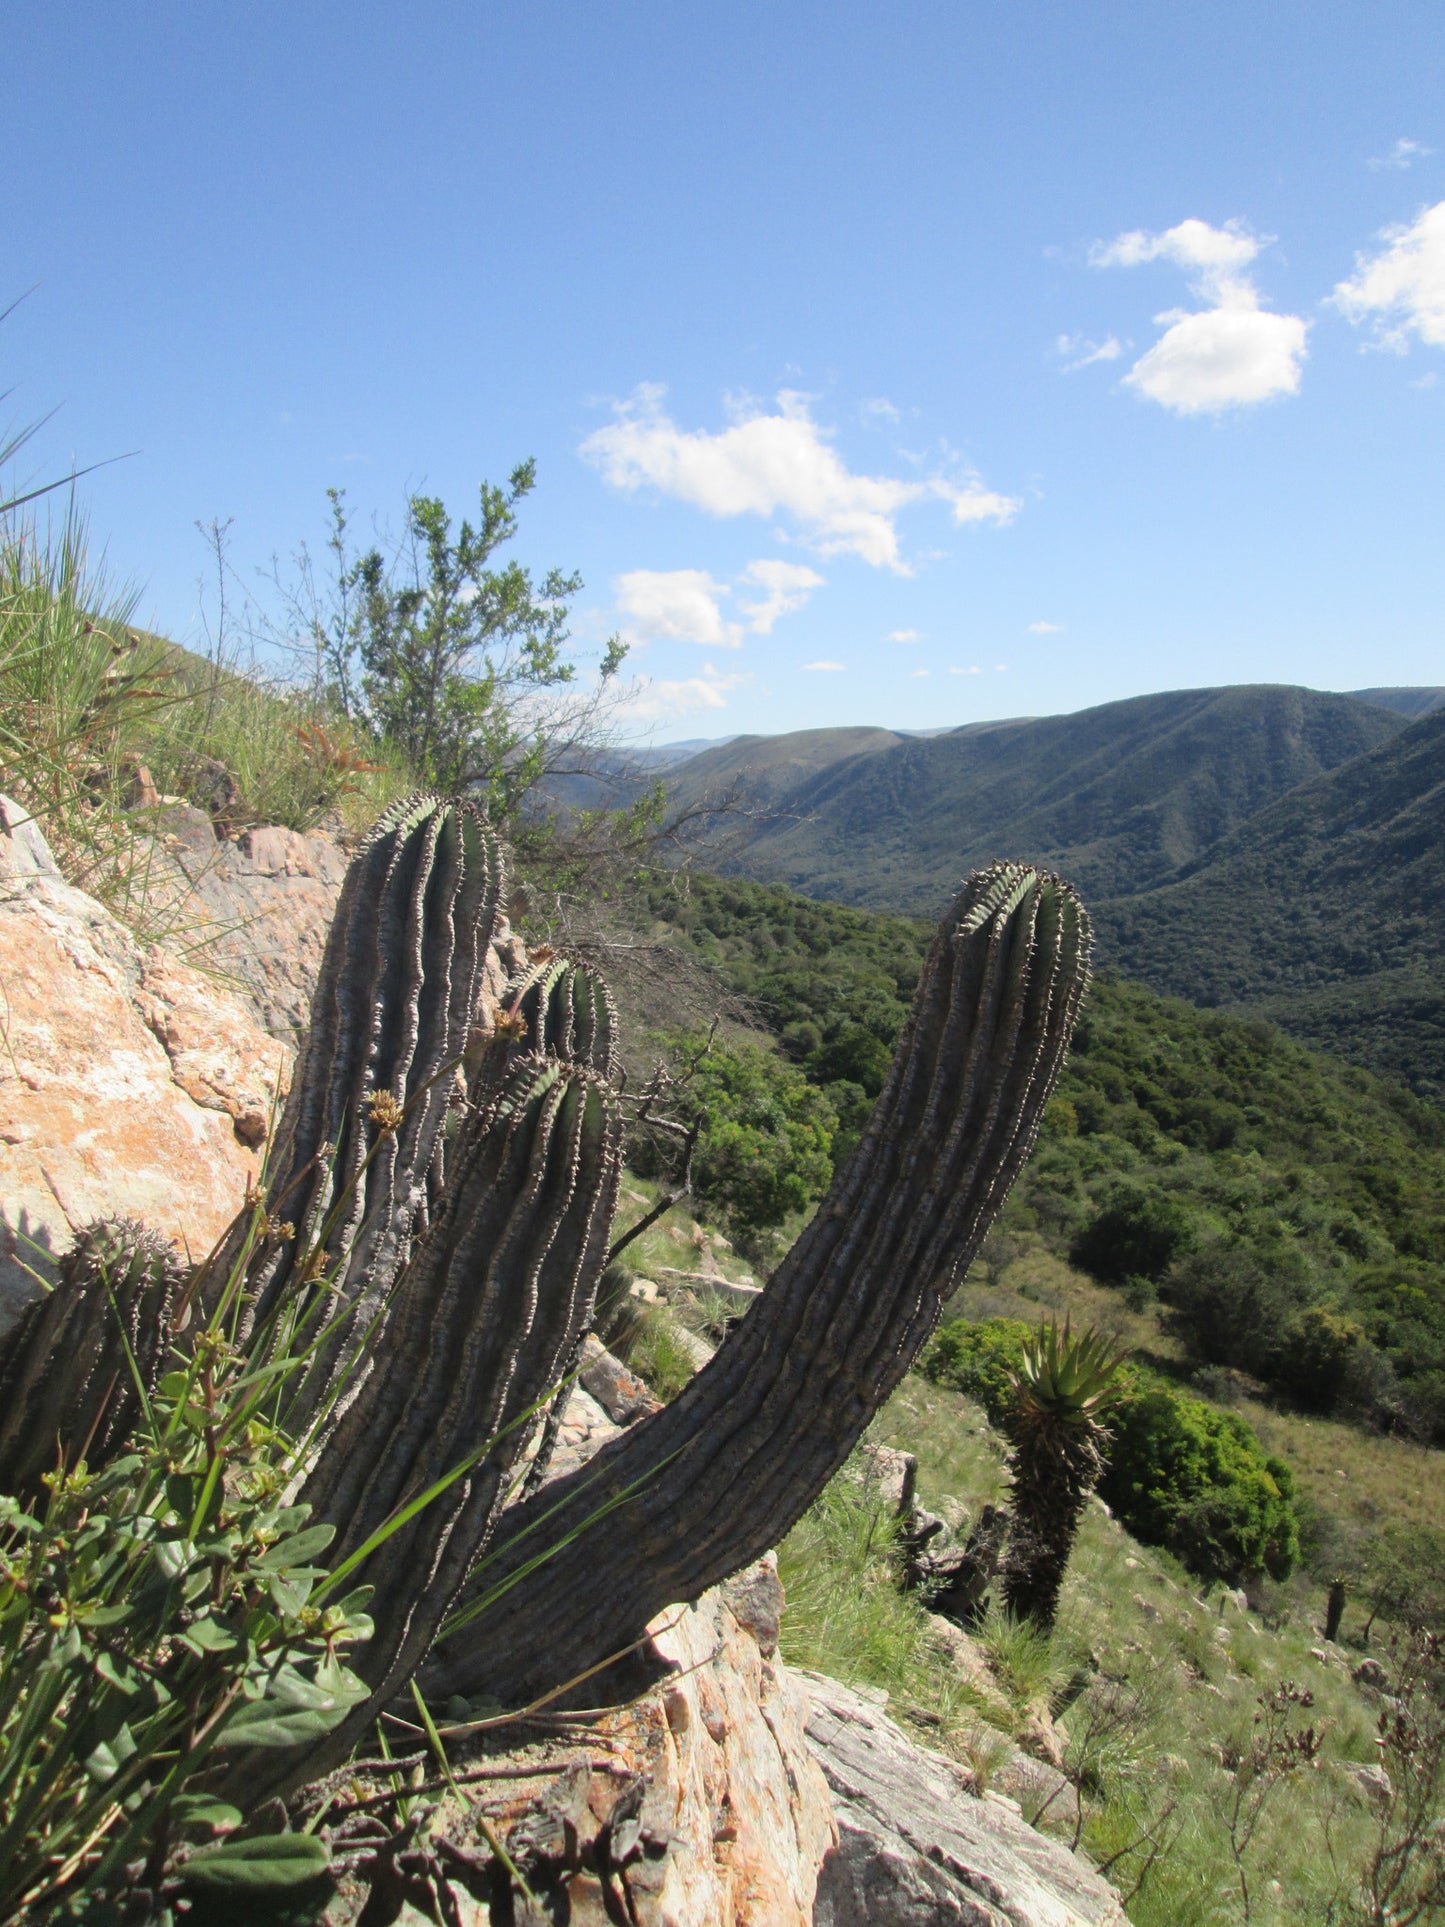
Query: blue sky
(906, 365)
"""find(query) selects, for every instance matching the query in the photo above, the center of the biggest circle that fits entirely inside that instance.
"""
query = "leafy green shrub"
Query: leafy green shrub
(979, 1359)
(153, 1614)
(1198, 1481)
(1235, 1305)
(1138, 1235)
(767, 1149)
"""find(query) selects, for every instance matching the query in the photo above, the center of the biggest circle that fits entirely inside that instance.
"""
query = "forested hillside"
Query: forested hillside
(1325, 911)
(1286, 1208)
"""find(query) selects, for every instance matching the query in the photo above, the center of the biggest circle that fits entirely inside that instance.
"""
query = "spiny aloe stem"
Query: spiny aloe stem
(75, 1364)
(568, 1013)
(485, 1315)
(395, 1002)
(709, 1483)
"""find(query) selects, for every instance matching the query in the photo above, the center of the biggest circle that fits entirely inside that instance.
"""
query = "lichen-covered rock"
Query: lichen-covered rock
(916, 1847)
(129, 1082)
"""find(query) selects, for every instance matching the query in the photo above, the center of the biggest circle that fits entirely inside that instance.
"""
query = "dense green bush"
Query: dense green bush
(1138, 1235)
(1180, 1474)
(1197, 1481)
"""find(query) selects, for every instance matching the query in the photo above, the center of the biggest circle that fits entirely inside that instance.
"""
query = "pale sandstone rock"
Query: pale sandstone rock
(697, 1805)
(917, 1849)
(128, 1081)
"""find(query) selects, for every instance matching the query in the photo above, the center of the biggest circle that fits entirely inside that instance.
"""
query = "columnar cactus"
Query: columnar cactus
(73, 1367)
(564, 1009)
(391, 1019)
(693, 1493)
(478, 1328)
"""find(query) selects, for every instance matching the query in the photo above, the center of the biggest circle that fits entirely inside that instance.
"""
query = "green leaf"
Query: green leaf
(208, 1636)
(203, 1810)
(298, 1550)
(272, 1860)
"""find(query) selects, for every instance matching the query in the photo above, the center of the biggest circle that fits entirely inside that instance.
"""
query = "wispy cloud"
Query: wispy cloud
(1403, 154)
(918, 672)
(1229, 354)
(828, 668)
(1400, 290)
(786, 587)
(903, 635)
(880, 410)
(655, 699)
(1046, 628)
(777, 463)
(972, 670)
(1077, 352)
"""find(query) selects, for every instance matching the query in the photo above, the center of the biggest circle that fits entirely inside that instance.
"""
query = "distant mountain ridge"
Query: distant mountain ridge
(1120, 796)
(1259, 847)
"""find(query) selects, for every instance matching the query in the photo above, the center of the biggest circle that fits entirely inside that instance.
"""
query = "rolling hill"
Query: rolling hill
(1120, 797)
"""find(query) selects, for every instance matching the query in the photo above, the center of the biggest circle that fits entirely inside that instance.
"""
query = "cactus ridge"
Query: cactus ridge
(482, 1321)
(394, 1004)
(569, 1013)
(64, 1374)
(726, 1469)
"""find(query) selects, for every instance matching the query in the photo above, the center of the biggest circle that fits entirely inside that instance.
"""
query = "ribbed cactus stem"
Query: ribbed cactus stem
(394, 1005)
(563, 1009)
(482, 1321)
(73, 1365)
(709, 1483)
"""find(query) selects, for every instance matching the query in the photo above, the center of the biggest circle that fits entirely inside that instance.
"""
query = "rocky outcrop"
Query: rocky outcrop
(129, 1082)
(917, 1848)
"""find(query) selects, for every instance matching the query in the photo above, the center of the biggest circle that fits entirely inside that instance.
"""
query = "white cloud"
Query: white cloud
(1082, 353)
(972, 670)
(880, 409)
(903, 635)
(1401, 290)
(1403, 154)
(1213, 254)
(1221, 358)
(652, 699)
(1046, 628)
(832, 668)
(786, 587)
(918, 672)
(674, 605)
(1000, 667)
(776, 464)
(685, 605)
(1227, 355)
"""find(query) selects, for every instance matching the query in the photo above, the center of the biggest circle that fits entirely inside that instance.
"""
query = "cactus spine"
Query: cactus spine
(568, 1013)
(718, 1476)
(67, 1386)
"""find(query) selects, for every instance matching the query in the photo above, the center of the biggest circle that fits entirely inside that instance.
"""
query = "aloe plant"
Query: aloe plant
(1058, 1440)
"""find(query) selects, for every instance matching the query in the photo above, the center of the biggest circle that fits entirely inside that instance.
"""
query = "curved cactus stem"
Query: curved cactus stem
(75, 1365)
(568, 1013)
(395, 1002)
(482, 1320)
(709, 1483)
